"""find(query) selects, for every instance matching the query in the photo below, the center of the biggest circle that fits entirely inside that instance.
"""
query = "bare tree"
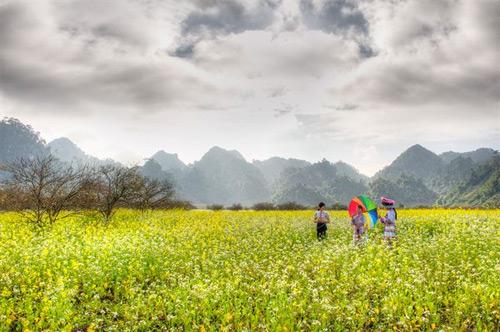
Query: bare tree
(43, 188)
(3, 199)
(111, 186)
(153, 193)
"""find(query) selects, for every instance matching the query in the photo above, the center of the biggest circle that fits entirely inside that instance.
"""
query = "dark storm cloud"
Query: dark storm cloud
(222, 17)
(228, 16)
(334, 16)
(185, 50)
(341, 17)
(366, 51)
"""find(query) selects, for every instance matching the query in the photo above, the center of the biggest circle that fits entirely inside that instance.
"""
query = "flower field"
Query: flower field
(247, 270)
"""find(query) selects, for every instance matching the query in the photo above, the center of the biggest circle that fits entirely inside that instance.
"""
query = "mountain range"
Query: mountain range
(416, 177)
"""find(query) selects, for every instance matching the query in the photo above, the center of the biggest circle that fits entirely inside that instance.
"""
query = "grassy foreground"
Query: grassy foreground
(245, 270)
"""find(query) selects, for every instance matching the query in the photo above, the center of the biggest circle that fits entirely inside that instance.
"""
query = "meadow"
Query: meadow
(248, 270)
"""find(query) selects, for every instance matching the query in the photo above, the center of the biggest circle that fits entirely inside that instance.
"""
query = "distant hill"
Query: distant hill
(67, 151)
(480, 188)
(18, 140)
(153, 170)
(319, 181)
(405, 189)
(224, 177)
(273, 167)
(440, 175)
(344, 169)
(344, 188)
(169, 161)
(300, 193)
(416, 161)
(478, 156)
(451, 174)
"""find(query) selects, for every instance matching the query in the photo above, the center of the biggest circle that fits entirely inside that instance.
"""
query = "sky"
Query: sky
(358, 81)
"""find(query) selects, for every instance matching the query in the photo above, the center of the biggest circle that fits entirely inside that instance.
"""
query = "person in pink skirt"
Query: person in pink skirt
(358, 223)
(389, 220)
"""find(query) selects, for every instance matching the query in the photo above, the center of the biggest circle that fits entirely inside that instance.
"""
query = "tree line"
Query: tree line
(268, 206)
(44, 189)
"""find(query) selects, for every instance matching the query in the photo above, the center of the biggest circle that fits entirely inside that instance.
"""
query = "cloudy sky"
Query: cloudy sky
(358, 81)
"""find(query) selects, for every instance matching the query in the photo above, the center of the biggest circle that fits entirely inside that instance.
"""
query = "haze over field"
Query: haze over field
(358, 81)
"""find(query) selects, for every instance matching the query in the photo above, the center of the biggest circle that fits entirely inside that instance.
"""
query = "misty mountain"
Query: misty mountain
(153, 170)
(480, 188)
(479, 156)
(19, 141)
(67, 151)
(322, 181)
(406, 189)
(169, 161)
(224, 177)
(416, 161)
(344, 169)
(451, 174)
(300, 193)
(273, 167)
(441, 175)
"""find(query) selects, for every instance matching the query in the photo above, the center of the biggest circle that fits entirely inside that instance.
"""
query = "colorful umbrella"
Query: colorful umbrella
(368, 206)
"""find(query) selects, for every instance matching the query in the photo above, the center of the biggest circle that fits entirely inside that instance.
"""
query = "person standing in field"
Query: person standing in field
(321, 218)
(358, 223)
(389, 220)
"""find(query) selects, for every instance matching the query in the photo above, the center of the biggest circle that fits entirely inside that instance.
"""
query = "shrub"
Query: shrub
(178, 204)
(215, 207)
(337, 207)
(290, 206)
(235, 207)
(264, 206)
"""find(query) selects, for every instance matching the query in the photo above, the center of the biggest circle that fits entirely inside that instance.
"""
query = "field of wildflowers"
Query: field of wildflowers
(247, 270)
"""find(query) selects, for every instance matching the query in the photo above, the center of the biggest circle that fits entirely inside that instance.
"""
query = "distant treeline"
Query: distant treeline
(267, 206)
(293, 206)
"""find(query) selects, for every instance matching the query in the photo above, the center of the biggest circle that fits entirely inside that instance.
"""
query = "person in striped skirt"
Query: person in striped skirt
(389, 220)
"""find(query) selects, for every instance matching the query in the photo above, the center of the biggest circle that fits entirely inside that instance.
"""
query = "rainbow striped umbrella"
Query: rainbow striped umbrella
(368, 206)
